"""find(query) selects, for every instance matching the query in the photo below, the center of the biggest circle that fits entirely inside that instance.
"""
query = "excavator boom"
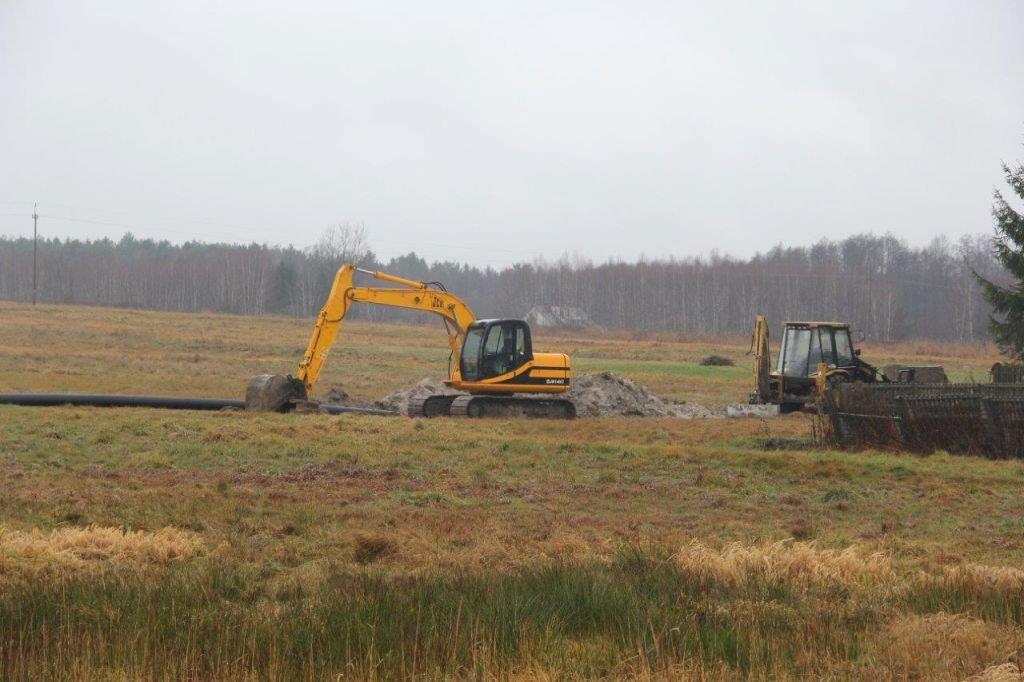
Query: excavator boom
(413, 295)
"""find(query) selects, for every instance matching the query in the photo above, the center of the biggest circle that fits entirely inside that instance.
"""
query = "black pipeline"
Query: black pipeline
(163, 402)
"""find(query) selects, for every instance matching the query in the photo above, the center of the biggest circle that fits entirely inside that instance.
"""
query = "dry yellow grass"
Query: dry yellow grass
(944, 646)
(1005, 672)
(69, 550)
(797, 563)
(977, 578)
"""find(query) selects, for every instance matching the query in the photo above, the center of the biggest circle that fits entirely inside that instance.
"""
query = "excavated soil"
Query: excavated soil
(424, 387)
(600, 394)
(606, 394)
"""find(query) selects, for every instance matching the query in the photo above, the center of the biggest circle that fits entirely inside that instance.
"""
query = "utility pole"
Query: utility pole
(35, 247)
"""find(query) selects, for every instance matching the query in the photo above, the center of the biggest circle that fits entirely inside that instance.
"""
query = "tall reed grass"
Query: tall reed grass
(778, 610)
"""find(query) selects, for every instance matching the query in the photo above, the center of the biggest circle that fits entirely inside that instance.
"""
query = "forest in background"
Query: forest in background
(886, 288)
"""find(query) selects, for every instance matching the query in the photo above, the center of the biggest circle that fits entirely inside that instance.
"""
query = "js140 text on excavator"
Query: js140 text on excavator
(492, 361)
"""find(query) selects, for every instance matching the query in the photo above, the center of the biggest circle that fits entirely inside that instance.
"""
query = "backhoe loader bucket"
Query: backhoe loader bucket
(273, 393)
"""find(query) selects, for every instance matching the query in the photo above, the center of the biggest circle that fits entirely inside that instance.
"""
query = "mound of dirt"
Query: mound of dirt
(398, 400)
(606, 394)
(716, 361)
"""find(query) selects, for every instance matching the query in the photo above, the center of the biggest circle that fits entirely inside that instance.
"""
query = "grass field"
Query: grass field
(168, 545)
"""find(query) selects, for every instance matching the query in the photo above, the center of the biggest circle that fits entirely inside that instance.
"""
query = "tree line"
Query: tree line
(885, 287)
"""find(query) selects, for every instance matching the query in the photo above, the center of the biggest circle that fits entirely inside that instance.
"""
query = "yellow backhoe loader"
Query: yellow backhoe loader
(491, 360)
(815, 356)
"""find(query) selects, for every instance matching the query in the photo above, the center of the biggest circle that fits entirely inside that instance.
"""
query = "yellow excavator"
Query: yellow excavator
(492, 360)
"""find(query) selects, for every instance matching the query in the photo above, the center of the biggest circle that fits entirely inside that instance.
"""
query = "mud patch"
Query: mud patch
(716, 361)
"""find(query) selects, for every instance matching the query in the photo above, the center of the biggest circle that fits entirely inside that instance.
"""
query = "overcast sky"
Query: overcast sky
(493, 132)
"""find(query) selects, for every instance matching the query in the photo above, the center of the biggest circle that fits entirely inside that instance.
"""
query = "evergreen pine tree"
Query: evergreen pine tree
(1007, 321)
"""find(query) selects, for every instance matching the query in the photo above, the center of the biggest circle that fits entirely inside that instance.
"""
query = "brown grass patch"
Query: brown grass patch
(369, 548)
(1007, 672)
(947, 646)
(798, 563)
(67, 550)
(978, 578)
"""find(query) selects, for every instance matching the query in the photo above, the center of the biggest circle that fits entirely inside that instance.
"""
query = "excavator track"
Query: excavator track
(477, 406)
(431, 406)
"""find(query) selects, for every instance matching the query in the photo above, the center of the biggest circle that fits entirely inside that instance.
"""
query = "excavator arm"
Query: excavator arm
(408, 294)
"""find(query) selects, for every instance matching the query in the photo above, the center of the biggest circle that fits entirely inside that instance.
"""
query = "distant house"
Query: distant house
(568, 317)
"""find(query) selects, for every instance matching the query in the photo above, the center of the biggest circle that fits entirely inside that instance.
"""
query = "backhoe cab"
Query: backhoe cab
(813, 356)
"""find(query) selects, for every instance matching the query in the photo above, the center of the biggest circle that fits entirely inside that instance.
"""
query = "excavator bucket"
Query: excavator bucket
(273, 393)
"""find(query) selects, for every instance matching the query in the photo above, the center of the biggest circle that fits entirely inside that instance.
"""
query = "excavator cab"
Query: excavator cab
(493, 348)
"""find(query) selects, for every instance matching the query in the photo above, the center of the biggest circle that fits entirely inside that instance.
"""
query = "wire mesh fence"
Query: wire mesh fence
(1007, 373)
(972, 419)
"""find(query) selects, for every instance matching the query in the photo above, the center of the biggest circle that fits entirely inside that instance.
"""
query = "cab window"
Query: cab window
(844, 349)
(471, 353)
(796, 347)
(522, 355)
(828, 354)
(814, 356)
(499, 350)
(505, 348)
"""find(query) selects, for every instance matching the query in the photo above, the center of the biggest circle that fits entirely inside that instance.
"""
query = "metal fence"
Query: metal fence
(974, 419)
(1006, 373)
